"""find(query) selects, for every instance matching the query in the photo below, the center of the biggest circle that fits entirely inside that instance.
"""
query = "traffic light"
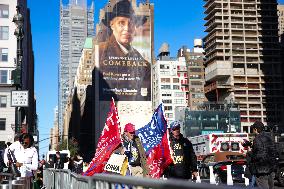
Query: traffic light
(16, 76)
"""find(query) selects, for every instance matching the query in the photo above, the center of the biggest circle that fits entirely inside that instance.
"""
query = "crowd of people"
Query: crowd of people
(261, 157)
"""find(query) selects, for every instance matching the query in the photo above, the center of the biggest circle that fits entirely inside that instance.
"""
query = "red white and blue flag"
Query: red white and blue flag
(108, 142)
(154, 138)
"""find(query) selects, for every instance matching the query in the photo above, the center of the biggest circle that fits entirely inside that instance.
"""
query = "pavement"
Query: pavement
(242, 185)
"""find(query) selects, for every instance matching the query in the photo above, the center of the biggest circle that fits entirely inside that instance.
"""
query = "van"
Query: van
(64, 156)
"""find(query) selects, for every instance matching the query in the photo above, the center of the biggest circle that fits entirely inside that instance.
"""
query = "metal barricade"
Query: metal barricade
(6, 182)
(63, 179)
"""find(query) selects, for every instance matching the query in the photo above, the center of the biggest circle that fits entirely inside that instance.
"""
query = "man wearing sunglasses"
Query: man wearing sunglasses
(184, 164)
(133, 149)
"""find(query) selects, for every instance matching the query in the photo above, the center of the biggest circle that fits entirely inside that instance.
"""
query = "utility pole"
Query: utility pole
(16, 74)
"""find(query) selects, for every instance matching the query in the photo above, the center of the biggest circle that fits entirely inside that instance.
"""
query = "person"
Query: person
(15, 147)
(59, 164)
(49, 163)
(2, 164)
(130, 72)
(133, 149)
(250, 168)
(27, 157)
(85, 166)
(184, 164)
(78, 164)
(263, 156)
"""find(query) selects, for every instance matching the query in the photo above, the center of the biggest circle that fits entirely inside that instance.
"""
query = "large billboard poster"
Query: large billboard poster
(125, 54)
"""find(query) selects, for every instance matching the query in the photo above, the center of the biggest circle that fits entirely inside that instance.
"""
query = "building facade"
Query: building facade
(211, 118)
(8, 57)
(280, 9)
(76, 23)
(83, 76)
(54, 132)
(195, 66)
(8, 49)
(242, 58)
(170, 84)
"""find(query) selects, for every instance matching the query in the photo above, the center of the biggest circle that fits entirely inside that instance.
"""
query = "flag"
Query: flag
(108, 142)
(160, 158)
(154, 139)
(151, 134)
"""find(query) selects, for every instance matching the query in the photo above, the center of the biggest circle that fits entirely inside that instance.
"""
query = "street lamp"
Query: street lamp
(18, 19)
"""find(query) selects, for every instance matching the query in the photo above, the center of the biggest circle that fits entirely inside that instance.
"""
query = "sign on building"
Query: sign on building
(20, 98)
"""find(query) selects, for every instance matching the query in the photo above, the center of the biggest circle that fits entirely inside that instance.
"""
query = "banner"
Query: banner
(154, 139)
(108, 142)
(151, 134)
(124, 44)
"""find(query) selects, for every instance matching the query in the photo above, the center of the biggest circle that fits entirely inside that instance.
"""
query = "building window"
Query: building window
(179, 94)
(3, 101)
(3, 55)
(4, 11)
(167, 101)
(175, 80)
(3, 76)
(165, 80)
(178, 101)
(169, 115)
(165, 87)
(176, 87)
(4, 32)
(2, 123)
(168, 108)
(166, 94)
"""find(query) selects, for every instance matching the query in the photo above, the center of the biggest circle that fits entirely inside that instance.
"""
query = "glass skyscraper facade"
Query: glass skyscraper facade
(76, 24)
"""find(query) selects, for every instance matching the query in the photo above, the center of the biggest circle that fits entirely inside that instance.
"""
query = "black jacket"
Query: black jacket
(250, 167)
(185, 161)
(59, 164)
(264, 154)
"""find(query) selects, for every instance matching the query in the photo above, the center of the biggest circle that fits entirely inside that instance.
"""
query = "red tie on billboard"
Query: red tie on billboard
(160, 157)
(108, 142)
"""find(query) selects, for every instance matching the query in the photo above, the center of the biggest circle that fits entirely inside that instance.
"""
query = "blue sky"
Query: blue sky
(175, 22)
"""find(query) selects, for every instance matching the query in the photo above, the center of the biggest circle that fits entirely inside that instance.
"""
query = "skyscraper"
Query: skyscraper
(76, 24)
(243, 62)
(280, 9)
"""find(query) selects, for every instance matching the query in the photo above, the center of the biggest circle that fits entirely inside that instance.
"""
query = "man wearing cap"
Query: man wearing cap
(123, 68)
(184, 165)
(263, 156)
(133, 149)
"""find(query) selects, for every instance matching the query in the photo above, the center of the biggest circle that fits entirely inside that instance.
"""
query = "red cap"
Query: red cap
(129, 127)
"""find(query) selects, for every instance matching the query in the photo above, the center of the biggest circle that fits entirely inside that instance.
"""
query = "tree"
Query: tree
(73, 146)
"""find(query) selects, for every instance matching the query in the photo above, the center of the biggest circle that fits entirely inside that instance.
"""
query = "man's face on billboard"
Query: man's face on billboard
(123, 29)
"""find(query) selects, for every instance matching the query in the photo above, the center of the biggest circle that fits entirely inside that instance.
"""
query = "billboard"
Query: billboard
(123, 57)
(124, 54)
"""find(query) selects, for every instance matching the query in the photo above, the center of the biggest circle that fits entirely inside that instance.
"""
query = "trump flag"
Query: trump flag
(108, 142)
(155, 142)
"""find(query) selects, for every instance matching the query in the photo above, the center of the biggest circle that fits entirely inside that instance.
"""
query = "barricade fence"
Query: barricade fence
(9, 181)
(65, 179)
